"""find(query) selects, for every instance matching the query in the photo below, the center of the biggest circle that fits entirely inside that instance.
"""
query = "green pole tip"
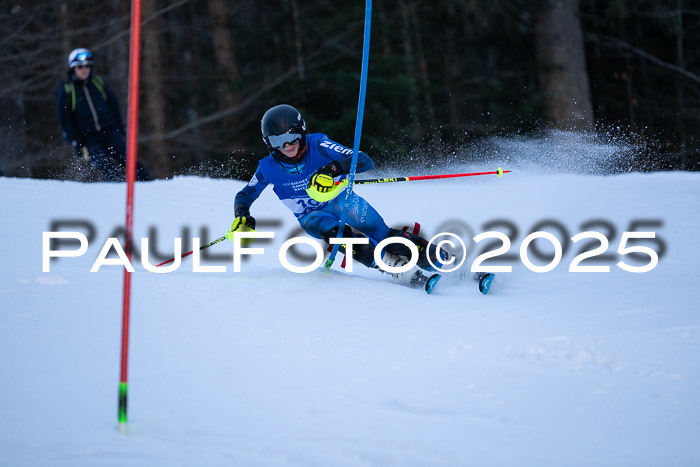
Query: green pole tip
(499, 172)
(327, 266)
(123, 391)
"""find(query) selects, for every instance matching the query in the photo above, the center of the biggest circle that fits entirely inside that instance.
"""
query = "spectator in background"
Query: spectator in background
(88, 112)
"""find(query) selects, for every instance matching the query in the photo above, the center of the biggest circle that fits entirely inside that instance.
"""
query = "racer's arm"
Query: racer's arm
(248, 195)
(340, 159)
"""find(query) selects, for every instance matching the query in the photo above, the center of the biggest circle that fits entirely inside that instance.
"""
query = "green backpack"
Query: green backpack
(70, 90)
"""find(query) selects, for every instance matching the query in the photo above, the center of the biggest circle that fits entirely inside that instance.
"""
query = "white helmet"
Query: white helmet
(79, 57)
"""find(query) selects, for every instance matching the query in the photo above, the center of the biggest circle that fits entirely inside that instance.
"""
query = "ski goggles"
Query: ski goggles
(83, 57)
(278, 141)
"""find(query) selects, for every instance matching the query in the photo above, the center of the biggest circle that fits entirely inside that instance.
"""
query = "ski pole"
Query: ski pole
(339, 185)
(221, 239)
(498, 172)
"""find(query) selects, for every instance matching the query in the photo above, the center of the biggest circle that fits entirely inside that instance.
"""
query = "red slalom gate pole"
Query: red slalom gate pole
(131, 156)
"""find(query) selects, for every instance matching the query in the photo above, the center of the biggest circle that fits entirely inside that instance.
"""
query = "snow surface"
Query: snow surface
(267, 367)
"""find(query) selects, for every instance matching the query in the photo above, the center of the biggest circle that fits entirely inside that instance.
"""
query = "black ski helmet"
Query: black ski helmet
(283, 121)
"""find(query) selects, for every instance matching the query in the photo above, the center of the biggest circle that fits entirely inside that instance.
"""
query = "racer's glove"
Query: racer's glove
(323, 183)
(243, 222)
(322, 180)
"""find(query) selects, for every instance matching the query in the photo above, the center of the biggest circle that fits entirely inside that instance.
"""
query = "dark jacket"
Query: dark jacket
(86, 108)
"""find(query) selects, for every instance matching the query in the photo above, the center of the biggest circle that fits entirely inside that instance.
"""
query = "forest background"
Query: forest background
(443, 75)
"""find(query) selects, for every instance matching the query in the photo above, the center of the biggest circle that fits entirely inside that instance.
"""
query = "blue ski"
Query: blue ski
(485, 282)
(432, 282)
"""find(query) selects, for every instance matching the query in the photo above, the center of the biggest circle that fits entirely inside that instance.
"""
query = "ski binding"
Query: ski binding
(427, 282)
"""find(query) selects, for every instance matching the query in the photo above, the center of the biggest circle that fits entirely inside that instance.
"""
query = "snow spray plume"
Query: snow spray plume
(604, 152)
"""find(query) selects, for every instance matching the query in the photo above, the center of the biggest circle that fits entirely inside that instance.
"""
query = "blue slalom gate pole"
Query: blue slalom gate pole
(358, 132)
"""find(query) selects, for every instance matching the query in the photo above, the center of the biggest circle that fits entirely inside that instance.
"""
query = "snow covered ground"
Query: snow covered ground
(267, 367)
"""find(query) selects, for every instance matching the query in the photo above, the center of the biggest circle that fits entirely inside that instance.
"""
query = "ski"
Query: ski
(431, 283)
(485, 282)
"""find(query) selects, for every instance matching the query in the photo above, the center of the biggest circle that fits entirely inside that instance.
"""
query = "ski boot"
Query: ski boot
(428, 257)
(414, 277)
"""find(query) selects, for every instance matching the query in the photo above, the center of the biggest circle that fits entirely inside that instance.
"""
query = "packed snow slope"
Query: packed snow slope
(268, 367)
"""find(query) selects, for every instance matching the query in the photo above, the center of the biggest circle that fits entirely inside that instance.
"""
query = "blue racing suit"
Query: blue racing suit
(290, 181)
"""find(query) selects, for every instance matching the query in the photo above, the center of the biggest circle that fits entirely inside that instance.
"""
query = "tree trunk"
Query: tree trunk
(425, 78)
(226, 65)
(384, 28)
(65, 29)
(297, 39)
(224, 48)
(680, 95)
(156, 160)
(410, 60)
(13, 137)
(451, 71)
(561, 64)
(116, 54)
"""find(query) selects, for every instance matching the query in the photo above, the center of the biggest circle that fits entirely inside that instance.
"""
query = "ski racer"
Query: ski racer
(299, 160)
